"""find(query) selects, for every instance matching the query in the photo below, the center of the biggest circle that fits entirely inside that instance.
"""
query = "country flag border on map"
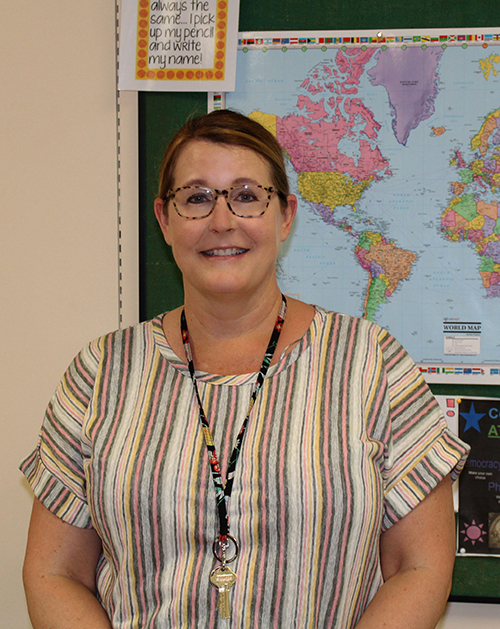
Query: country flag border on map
(410, 37)
(453, 373)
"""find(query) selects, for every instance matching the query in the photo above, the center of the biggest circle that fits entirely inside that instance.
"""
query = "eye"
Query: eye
(245, 195)
(198, 197)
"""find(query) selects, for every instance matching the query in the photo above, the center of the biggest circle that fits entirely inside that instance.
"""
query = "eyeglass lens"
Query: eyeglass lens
(246, 201)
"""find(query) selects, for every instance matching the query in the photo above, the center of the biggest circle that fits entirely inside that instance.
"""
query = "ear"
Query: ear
(161, 213)
(288, 214)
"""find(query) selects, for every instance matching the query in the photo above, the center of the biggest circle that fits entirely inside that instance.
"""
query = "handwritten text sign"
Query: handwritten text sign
(178, 45)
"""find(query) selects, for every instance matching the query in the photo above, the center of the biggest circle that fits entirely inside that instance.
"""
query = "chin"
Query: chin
(227, 284)
(227, 289)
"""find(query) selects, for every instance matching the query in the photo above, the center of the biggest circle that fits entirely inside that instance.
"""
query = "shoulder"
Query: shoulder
(115, 344)
(345, 319)
(364, 340)
(137, 331)
(349, 326)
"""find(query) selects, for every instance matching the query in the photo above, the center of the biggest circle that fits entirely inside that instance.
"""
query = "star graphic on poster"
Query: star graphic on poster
(472, 418)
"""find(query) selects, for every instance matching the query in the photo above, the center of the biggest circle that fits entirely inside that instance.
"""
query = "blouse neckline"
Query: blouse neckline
(249, 378)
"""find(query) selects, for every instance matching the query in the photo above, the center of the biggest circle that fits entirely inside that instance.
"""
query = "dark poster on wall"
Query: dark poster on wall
(479, 485)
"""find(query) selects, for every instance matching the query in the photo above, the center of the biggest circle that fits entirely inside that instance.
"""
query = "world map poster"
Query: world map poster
(392, 147)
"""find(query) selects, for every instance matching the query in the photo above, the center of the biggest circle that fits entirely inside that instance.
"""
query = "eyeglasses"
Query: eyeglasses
(247, 201)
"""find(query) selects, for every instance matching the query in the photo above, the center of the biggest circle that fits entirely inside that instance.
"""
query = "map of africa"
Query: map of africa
(394, 155)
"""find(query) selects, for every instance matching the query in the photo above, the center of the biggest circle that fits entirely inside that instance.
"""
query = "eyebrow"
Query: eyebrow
(236, 182)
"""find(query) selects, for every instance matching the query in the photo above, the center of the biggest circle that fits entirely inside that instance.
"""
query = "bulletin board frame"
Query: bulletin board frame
(475, 579)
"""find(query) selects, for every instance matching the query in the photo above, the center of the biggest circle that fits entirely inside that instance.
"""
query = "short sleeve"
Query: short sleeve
(55, 469)
(420, 449)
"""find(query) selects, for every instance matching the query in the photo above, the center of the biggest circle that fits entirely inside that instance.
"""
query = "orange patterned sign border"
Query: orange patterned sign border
(215, 72)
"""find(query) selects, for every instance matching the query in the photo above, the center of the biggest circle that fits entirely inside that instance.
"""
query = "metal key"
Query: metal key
(222, 578)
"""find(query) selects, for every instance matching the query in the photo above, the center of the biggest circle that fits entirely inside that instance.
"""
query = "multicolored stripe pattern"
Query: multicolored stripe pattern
(344, 439)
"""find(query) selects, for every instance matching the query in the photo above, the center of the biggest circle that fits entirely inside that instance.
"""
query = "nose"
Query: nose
(222, 219)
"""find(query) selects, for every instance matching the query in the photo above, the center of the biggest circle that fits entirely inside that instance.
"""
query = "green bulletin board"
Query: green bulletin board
(476, 579)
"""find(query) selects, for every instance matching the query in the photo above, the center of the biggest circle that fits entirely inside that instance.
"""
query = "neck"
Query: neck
(230, 316)
(230, 335)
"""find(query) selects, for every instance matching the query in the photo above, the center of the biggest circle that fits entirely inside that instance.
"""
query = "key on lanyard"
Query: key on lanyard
(222, 578)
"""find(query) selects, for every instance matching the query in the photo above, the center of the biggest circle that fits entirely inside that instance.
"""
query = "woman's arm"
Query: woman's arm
(417, 556)
(59, 574)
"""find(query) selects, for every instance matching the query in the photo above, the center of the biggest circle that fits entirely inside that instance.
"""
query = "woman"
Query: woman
(337, 511)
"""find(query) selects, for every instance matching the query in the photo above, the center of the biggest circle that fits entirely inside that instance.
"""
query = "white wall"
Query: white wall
(58, 230)
(471, 616)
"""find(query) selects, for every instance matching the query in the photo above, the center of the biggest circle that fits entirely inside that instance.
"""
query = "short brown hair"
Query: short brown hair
(225, 126)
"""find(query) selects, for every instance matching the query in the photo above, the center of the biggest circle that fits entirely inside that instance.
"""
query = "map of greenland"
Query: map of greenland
(331, 141)
(410, 78)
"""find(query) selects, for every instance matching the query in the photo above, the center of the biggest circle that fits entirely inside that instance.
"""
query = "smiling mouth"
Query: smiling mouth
(234, 251)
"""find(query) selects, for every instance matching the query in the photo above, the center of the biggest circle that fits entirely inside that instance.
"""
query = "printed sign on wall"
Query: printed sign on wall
(479, 489)
(178, 45)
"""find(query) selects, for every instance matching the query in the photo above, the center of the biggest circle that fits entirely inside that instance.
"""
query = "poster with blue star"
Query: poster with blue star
(479, 484)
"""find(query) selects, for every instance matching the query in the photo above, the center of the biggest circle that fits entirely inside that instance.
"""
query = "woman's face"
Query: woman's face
(224, 253)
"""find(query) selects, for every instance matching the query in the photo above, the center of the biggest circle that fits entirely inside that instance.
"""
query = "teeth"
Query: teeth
(224, 252)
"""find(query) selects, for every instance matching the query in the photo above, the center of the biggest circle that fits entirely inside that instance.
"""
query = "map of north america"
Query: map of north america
(332, 144)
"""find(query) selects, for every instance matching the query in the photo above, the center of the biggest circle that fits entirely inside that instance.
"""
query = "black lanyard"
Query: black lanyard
(223, 492)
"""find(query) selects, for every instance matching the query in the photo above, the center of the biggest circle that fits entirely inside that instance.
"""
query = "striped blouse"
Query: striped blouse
(344, 440)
